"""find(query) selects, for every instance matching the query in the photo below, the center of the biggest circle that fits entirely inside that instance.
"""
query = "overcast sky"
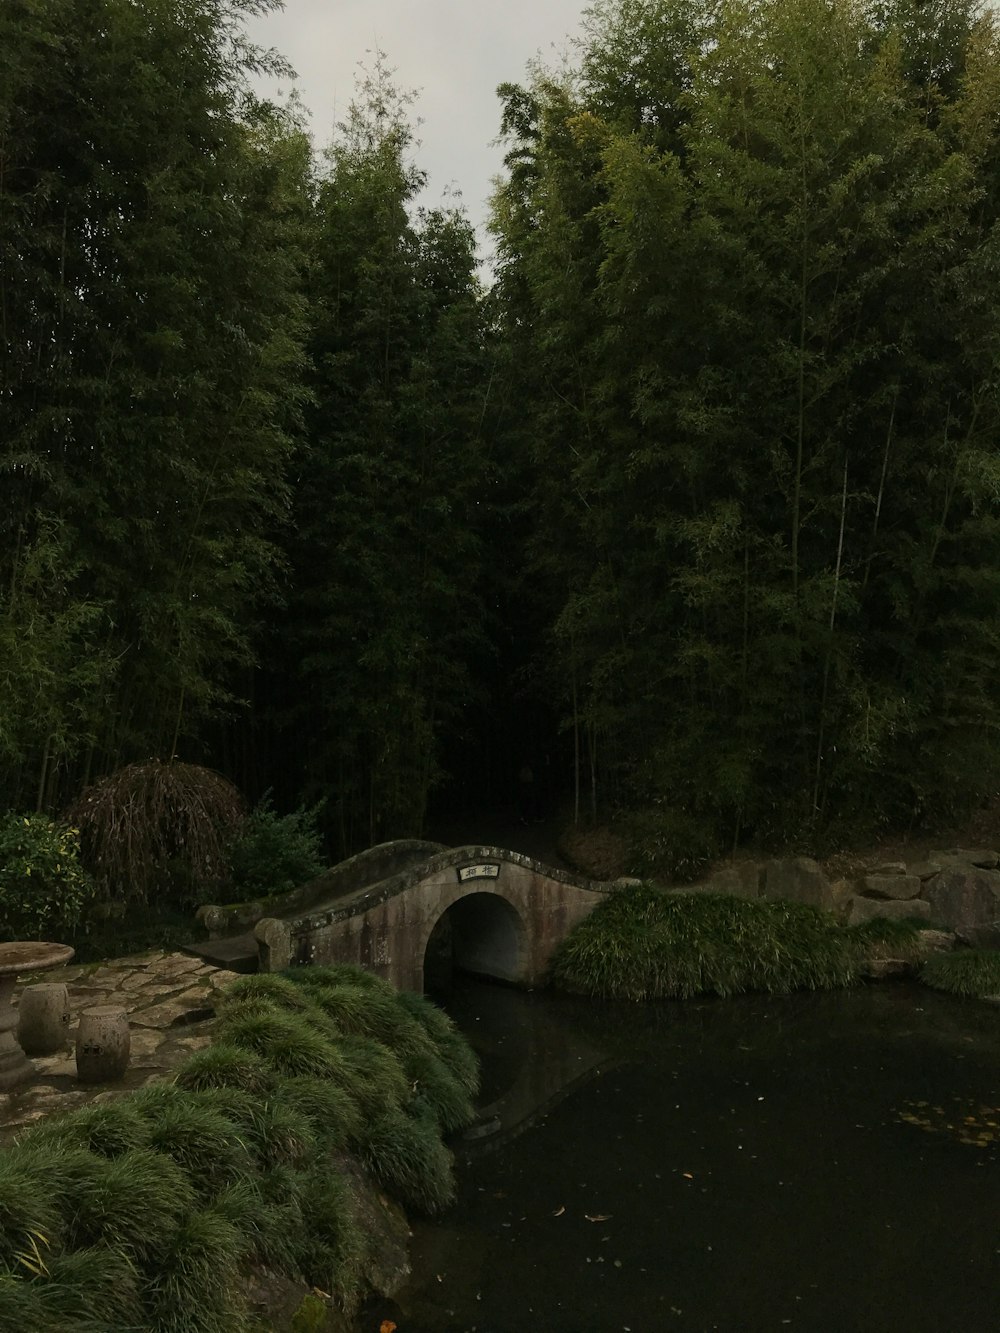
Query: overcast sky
(453, 52)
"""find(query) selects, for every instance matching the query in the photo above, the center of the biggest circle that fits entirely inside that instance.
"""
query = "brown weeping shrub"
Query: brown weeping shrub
(145, 826)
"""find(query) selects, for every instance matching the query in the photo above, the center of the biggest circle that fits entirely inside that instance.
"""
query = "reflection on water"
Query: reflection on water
(750, 1164)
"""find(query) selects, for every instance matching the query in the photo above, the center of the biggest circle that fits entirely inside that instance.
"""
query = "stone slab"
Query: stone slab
(892, 909)
(891, 886)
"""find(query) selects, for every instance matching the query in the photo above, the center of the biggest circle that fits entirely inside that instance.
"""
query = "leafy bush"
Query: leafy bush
(669, 843)
(974, 972)
(44, 890)
(641, 944)
(274, 853)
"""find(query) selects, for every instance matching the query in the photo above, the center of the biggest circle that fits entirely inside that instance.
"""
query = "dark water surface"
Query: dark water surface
(733, 1165)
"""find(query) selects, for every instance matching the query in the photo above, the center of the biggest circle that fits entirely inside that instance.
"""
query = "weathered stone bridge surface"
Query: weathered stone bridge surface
(490, 911)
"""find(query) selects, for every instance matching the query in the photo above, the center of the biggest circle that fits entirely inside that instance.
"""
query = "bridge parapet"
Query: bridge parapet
(517, 912)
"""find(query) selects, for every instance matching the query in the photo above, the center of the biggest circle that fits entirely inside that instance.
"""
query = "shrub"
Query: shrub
(272, 853)
(974, 972)
(158, 829)
(640, 944)
(44, 890)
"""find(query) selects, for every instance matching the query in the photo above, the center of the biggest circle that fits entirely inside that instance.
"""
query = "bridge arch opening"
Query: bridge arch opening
(481, 933)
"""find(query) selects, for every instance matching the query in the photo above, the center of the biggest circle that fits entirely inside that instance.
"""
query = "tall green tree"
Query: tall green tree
(385, 603)
(151, 325)
(736, 259)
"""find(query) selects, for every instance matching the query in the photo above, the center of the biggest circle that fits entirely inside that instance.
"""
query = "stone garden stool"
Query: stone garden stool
(16, 958)
(103, 1043)
(43, 1018)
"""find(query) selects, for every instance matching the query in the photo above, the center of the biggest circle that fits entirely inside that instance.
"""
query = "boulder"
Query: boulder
(797, 879)
(740, 879)
(982, 857)
(960, 897)
(937, 941)
(866, 909)
(979, 856)
(980, 937)
(925, 869)
(890, 868)
(891, 886)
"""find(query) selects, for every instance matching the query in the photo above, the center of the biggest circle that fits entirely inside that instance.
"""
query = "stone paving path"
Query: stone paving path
(170, 999)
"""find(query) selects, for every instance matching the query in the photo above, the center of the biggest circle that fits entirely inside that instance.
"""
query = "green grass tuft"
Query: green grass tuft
(885, 937)
(196, 1285)
(449, 1043)
(333, 1113)
(332, 1249)
(406, 1156)
(435, 1086)
(287, 1042)
(339, 974)
(973, 972)
(195, 1133)
(132, 1203)
(640, 944)
(376, 1079)
(224, 1066)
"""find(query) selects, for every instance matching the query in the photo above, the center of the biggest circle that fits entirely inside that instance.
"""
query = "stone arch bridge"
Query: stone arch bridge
(397, 906)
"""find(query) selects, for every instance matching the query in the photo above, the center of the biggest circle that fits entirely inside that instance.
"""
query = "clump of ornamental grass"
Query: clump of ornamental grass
(95, 1287)
(331, 1248)
(188, 1128)
(972, 972)
(449, 1043)
(268, 986)
(132, 1203)
(267, 1228)
(106, 1128)
(404, 1153)
(338, 974)
(80, 1291)
(32, 1179)
(196, 1282)
(376, 1079)
(358, 1012)
(287, 1042)
(435, 1087)
(331, 1110)
(222, 1065)
(887, 937)
(640, 944)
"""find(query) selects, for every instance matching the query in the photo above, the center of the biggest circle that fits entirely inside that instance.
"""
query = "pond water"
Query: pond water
(815, 1162)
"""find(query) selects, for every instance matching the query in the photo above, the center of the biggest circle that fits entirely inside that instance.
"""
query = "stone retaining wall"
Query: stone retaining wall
(958, 889)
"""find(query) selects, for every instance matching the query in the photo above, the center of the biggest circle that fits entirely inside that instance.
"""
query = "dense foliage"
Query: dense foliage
(748, 285)
(44, 890)
(693, 516)
(643, 944)
(151, 1210)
